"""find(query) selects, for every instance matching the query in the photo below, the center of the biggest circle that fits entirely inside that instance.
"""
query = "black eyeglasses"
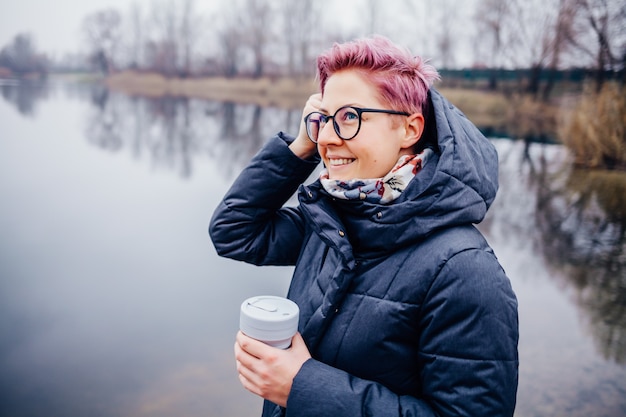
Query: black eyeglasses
(346, 121)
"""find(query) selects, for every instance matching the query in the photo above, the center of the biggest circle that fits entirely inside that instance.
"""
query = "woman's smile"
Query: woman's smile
(340, 161)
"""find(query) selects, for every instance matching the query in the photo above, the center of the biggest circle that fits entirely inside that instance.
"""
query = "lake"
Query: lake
(113, 301)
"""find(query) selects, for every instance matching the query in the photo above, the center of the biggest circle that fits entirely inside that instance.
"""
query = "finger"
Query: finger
(243, 358)
(245, 382)
(249, 374)
(316, 100)
(254, 347)
(312, 104)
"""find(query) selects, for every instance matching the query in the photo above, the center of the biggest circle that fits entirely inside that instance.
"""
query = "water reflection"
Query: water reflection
(173, 129)
(24, 94)
(576, 221)
(581, 216)
(125, 277)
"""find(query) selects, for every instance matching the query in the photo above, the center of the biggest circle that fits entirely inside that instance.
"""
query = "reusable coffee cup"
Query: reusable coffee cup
(270, 319)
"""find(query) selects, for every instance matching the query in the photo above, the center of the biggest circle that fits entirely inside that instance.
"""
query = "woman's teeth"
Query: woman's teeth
(343, 161)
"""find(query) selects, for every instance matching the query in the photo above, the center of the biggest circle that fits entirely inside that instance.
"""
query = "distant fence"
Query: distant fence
(474, 77)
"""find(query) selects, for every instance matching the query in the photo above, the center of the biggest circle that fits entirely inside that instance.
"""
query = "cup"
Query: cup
(270, 319)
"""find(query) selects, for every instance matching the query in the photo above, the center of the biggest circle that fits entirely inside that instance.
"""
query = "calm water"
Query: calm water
(114, 303)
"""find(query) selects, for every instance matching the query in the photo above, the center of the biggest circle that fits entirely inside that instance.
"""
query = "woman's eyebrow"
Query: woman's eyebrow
(324, 110)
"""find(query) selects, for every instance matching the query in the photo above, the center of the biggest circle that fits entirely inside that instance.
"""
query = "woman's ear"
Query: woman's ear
(414, 127)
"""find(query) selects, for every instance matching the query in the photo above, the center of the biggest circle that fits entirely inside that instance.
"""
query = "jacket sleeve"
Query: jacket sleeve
(468, 354)
(250, 223)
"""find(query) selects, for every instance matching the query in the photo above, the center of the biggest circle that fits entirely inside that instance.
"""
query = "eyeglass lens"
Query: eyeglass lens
(346, 122)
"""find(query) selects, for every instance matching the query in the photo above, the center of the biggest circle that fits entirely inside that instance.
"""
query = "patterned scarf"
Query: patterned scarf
(378, 190)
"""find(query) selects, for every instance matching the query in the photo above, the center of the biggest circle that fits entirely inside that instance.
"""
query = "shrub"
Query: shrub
(595, 131)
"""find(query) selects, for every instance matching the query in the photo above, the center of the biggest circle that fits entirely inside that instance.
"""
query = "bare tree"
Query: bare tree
(21, 56)
(188, 31)
(492, 19)
(301, 21)
(561, 40)
(102, 30)
(258, 23)
(245, 36)
(542, 33)
(445, 36)
(162, 49)
(230, 42)
(601, 34)
(136, 35)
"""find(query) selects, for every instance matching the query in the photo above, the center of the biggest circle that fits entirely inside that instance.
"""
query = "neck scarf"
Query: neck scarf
(378, 190)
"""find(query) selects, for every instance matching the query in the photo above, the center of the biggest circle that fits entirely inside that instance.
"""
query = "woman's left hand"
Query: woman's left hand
(267, 371)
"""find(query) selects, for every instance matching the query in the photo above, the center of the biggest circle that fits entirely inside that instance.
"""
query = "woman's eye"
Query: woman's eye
(349, 116)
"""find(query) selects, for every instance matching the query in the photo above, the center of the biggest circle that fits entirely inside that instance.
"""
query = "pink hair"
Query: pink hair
(402, 80)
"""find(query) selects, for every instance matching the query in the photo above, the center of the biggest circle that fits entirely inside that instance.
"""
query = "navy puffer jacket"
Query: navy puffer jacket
(404, 307)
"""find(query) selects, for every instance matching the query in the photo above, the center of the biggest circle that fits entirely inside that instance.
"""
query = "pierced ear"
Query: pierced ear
(414, 127)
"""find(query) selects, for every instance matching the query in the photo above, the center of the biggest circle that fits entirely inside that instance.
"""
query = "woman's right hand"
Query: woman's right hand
(302, 146)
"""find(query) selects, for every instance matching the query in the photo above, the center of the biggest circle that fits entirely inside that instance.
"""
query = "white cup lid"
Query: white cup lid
(269, 318)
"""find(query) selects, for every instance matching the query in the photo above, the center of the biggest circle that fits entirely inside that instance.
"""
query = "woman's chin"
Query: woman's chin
(342, 172)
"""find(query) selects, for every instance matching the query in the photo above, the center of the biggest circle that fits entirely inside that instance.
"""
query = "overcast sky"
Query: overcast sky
(55, 24)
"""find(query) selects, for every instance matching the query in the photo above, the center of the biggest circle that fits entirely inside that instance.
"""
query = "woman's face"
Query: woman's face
(374, 151)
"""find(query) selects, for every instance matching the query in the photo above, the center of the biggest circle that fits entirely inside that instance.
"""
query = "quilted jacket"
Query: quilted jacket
(404, 307)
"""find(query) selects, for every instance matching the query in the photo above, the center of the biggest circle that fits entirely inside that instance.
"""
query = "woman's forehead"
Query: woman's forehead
(348, 88)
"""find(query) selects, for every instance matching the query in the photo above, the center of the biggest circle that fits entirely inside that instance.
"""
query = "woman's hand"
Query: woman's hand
(302, 146)
(268, 371)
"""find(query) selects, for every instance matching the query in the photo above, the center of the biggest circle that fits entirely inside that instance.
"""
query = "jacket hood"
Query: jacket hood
(456, 187)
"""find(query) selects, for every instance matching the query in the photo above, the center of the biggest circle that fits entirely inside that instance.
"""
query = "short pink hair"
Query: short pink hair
(401, 79)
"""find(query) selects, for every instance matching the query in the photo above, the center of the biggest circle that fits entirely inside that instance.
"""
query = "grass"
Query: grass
(284, 92)
(595, 130)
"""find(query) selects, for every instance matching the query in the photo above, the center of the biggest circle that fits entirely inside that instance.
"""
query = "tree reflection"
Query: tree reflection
(24, 94)
(581, 219)
(104, 126)
(173, 131)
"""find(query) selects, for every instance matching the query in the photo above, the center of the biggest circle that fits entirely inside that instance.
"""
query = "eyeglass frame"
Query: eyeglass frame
(359, 112)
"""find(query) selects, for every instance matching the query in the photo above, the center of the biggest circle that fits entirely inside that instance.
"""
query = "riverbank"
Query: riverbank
(265, 91)
(491, 111)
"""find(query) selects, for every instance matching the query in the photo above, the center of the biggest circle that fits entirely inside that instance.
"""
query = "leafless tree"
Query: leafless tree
(561, 40)
(136, 34)
(542, 33)
(246, 35)
(188, 32)
(162, 48)
(602, 34)
(301, 22)
(230, 42)
(102, 30)
(445, 35)
(257, 22)
(494, 21)
(21, 56)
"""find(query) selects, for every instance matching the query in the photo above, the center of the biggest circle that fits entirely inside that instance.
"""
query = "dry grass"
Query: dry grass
(483, 108)
(284, 92)
(595, 130)
(528, 117)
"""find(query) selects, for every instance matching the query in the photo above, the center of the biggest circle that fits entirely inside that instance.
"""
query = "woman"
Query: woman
(404, 308)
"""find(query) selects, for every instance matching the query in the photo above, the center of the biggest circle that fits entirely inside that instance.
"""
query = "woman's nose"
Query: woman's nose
(328, 136)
